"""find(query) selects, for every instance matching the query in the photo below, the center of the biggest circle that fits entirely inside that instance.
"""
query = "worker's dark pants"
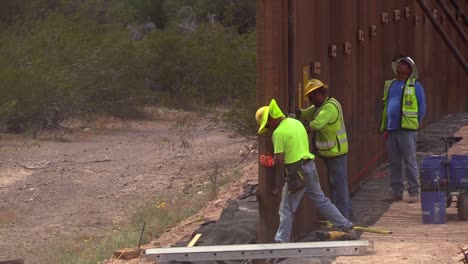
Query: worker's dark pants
(338, 178)
(401, 147)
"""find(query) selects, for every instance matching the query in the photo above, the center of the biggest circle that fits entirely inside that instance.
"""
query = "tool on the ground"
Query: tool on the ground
(260, 251)
(361, 228)
(332, 235)
(194, 240)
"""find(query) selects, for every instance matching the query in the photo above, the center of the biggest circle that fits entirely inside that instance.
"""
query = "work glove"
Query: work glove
(267, 161)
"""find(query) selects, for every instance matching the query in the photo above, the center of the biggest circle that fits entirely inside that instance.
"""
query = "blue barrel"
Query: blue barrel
(432, 172)
(459, 171)
(433, 207)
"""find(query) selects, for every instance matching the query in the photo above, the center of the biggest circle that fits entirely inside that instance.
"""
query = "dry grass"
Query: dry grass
(159, 216)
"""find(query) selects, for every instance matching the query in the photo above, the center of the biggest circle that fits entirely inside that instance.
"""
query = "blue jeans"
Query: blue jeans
(401, 147)
(290, 202)
(338, 178)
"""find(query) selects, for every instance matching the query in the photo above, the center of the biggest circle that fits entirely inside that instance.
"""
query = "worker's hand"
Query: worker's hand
(385, 135)
(267, 161)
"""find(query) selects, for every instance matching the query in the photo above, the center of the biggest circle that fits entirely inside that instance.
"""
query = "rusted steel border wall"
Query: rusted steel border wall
(349, 44)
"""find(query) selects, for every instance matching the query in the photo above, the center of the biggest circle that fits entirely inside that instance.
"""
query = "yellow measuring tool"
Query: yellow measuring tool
(194, 240)
(361, 228)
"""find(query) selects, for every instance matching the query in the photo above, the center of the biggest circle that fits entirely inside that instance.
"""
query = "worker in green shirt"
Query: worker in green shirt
(325, 119)
(292, 155)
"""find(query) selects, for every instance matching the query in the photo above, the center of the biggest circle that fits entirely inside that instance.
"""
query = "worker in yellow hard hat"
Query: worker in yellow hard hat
(325, 119)
(291, 155)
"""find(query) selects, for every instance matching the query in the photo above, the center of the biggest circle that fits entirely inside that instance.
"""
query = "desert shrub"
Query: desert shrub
(62, 59)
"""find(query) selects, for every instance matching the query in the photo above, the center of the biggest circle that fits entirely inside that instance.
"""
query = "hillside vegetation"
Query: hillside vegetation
(62, 59)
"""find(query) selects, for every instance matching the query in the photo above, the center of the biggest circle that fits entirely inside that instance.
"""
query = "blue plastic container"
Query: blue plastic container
(432, 172)
(433, 207)
(458, 169)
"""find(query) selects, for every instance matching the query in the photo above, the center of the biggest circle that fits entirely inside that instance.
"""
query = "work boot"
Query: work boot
(392, 198)
(413, 198)
(350, 234)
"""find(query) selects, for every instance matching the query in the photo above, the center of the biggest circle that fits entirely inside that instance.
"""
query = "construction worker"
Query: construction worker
(291, 155)
(325, 119)
(403, 112)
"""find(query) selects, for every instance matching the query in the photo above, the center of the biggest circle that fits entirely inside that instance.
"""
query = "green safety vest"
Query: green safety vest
(409, 106)
(331, 140)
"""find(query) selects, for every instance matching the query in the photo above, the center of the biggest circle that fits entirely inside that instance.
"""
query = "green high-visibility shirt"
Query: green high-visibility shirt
(290, 138)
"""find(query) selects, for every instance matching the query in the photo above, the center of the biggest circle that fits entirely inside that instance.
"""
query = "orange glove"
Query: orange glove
(267, 161)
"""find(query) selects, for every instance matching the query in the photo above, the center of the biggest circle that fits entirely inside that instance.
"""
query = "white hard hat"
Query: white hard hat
(410, 61)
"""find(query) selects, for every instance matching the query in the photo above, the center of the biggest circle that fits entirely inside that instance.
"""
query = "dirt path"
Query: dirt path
(412, 241)
(82, 185)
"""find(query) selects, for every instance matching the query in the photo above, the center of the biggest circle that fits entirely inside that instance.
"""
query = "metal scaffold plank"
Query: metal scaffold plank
(260, 251)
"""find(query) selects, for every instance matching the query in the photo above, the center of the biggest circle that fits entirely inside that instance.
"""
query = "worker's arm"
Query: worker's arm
(421, 97)
(279, 143)
(279, 159)
(278, 163)
(307, 114)
(327, 115)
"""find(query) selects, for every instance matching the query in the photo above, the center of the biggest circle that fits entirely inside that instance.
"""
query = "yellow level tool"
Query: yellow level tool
(194, 240)
(361, 228)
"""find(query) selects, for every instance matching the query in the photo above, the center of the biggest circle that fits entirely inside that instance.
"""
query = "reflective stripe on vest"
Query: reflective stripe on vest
(408, 113)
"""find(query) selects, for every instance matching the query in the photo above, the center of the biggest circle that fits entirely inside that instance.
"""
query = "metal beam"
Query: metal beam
(260, 251)
(444, 36)
(453, 20)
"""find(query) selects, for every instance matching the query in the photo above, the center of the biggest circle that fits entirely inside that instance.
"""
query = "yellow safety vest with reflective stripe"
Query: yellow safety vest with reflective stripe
(409, 106)
(331, 140)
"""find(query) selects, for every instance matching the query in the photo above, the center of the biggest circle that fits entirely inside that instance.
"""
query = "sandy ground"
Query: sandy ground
(412, 241)
(80, 183)
(77, 184)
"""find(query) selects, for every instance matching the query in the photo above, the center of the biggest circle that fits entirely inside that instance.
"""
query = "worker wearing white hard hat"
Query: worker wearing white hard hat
(403, 112)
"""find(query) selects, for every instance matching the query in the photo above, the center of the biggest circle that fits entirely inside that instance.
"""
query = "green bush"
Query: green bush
(211, 66)
(56, 68)
(77, 59)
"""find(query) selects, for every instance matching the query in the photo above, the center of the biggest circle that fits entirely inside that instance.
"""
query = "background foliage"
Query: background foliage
(62, 58)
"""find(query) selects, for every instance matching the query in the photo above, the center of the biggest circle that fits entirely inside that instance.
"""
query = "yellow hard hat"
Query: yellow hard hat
(312, 85)
(259, 114)
(263, 112)
(262, 117)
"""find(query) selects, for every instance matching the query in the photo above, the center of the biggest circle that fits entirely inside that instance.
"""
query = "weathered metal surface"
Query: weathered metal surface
(367, 34)
(272, 75)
